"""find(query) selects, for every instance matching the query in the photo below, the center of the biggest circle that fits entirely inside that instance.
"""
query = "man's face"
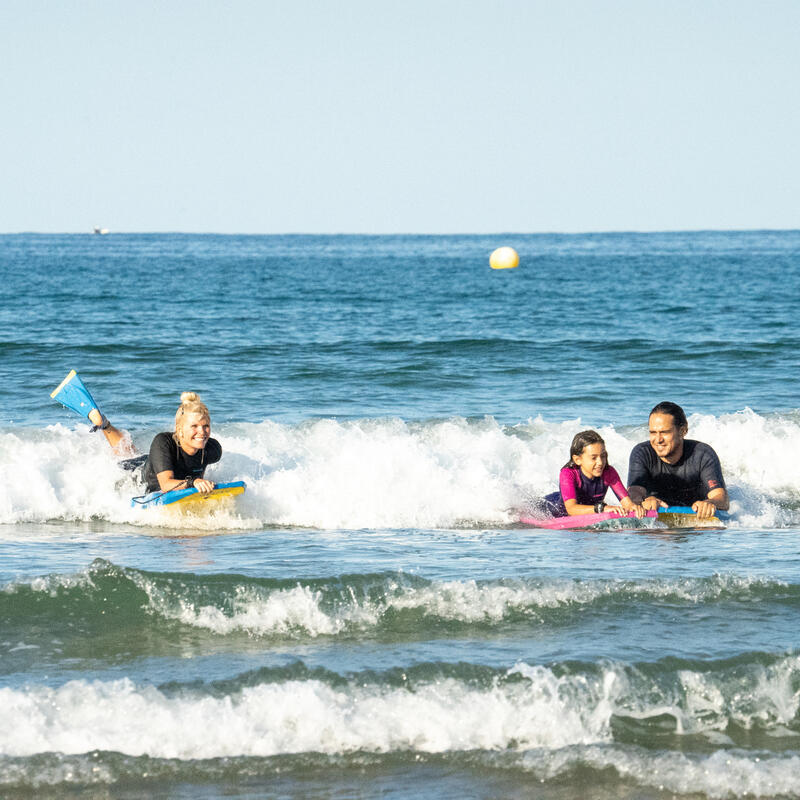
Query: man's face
(665, 437)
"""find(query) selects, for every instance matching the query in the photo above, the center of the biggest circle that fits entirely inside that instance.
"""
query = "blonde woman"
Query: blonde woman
(178, 460)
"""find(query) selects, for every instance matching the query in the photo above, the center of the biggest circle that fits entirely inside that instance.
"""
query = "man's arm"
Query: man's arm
(639, 496)
(717, 495)
(638, 473)
(717, 500)
(637, 493)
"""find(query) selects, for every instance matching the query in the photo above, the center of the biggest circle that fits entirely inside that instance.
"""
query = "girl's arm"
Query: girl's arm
(574, 508)
(626, 505)
(568, 484)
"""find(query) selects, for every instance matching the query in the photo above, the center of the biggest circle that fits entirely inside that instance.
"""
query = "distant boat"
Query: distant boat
(100, 231)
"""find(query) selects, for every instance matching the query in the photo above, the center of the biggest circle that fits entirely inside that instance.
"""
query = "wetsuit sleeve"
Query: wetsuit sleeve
(638, 468)
(567, 484)
(711, 471)
(612, 480)
(162, 454)
(213, 451)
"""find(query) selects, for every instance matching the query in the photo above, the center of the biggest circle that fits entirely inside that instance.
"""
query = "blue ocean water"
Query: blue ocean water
(371, 619)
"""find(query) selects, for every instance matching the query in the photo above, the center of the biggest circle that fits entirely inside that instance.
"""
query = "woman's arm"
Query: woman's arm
(162, 462)
(167, 482)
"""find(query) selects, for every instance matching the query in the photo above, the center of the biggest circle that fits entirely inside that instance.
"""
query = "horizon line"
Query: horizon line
(646, 231)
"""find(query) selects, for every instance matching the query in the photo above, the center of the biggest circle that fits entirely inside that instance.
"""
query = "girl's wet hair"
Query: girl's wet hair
(190, 404)
(580, 442)
(674, 410)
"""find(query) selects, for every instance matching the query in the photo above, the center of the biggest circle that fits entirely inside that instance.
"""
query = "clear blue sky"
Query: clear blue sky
(405, 116)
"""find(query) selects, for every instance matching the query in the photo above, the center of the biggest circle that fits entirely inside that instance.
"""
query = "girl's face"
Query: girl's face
(592, 460)
(195, 431)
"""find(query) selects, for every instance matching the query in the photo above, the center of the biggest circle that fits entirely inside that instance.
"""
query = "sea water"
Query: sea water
(370, 619)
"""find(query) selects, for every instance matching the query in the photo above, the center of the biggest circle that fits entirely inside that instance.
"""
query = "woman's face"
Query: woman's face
(195, 431)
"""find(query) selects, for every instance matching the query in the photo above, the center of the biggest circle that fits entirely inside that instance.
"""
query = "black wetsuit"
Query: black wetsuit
(697, 473)
(167, 454)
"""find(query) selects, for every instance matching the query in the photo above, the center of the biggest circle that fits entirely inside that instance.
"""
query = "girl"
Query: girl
(585, 478)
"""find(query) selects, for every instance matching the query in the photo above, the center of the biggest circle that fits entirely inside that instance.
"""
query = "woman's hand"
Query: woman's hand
(203, 486)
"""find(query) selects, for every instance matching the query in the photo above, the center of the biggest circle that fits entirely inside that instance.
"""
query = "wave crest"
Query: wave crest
(384, 473)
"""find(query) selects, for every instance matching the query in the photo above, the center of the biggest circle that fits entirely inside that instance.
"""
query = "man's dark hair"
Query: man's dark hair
(674, 410)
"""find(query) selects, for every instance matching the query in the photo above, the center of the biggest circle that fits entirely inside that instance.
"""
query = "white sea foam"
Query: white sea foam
(383, 473)
(257, 612)
(293, 717)
(539, 710)
(305, 611)
(703, 702)
(263, 611)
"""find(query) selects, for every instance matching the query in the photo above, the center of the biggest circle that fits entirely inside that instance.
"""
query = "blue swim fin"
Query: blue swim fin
(74, 395)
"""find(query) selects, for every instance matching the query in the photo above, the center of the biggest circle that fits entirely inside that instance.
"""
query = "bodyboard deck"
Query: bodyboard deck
(672, 517)
(190, 500)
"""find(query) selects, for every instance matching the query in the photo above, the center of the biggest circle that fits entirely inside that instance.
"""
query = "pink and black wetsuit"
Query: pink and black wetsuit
(575, 485)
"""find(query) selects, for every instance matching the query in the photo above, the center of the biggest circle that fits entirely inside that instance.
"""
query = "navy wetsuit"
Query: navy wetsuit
(167, 454)
(697, 473)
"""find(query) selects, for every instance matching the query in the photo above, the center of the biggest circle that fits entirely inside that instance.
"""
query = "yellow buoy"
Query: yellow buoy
(504, 258)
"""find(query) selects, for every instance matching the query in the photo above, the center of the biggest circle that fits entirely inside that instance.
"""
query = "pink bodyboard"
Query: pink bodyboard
(579, 520)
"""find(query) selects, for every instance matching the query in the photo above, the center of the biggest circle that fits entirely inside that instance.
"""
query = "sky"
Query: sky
(413, 116)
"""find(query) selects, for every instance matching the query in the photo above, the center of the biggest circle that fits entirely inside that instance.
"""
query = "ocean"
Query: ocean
(370, 619)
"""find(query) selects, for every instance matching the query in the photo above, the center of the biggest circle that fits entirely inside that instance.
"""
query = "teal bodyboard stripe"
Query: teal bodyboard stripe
(721, 515)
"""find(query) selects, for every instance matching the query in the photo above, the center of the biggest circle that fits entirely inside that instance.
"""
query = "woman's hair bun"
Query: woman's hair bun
(190, 404)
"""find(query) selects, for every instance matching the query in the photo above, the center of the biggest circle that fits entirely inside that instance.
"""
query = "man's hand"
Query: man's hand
(704, 509)
(652, 503)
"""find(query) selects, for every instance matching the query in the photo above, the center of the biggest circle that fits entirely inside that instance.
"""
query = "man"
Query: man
(671, 470)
